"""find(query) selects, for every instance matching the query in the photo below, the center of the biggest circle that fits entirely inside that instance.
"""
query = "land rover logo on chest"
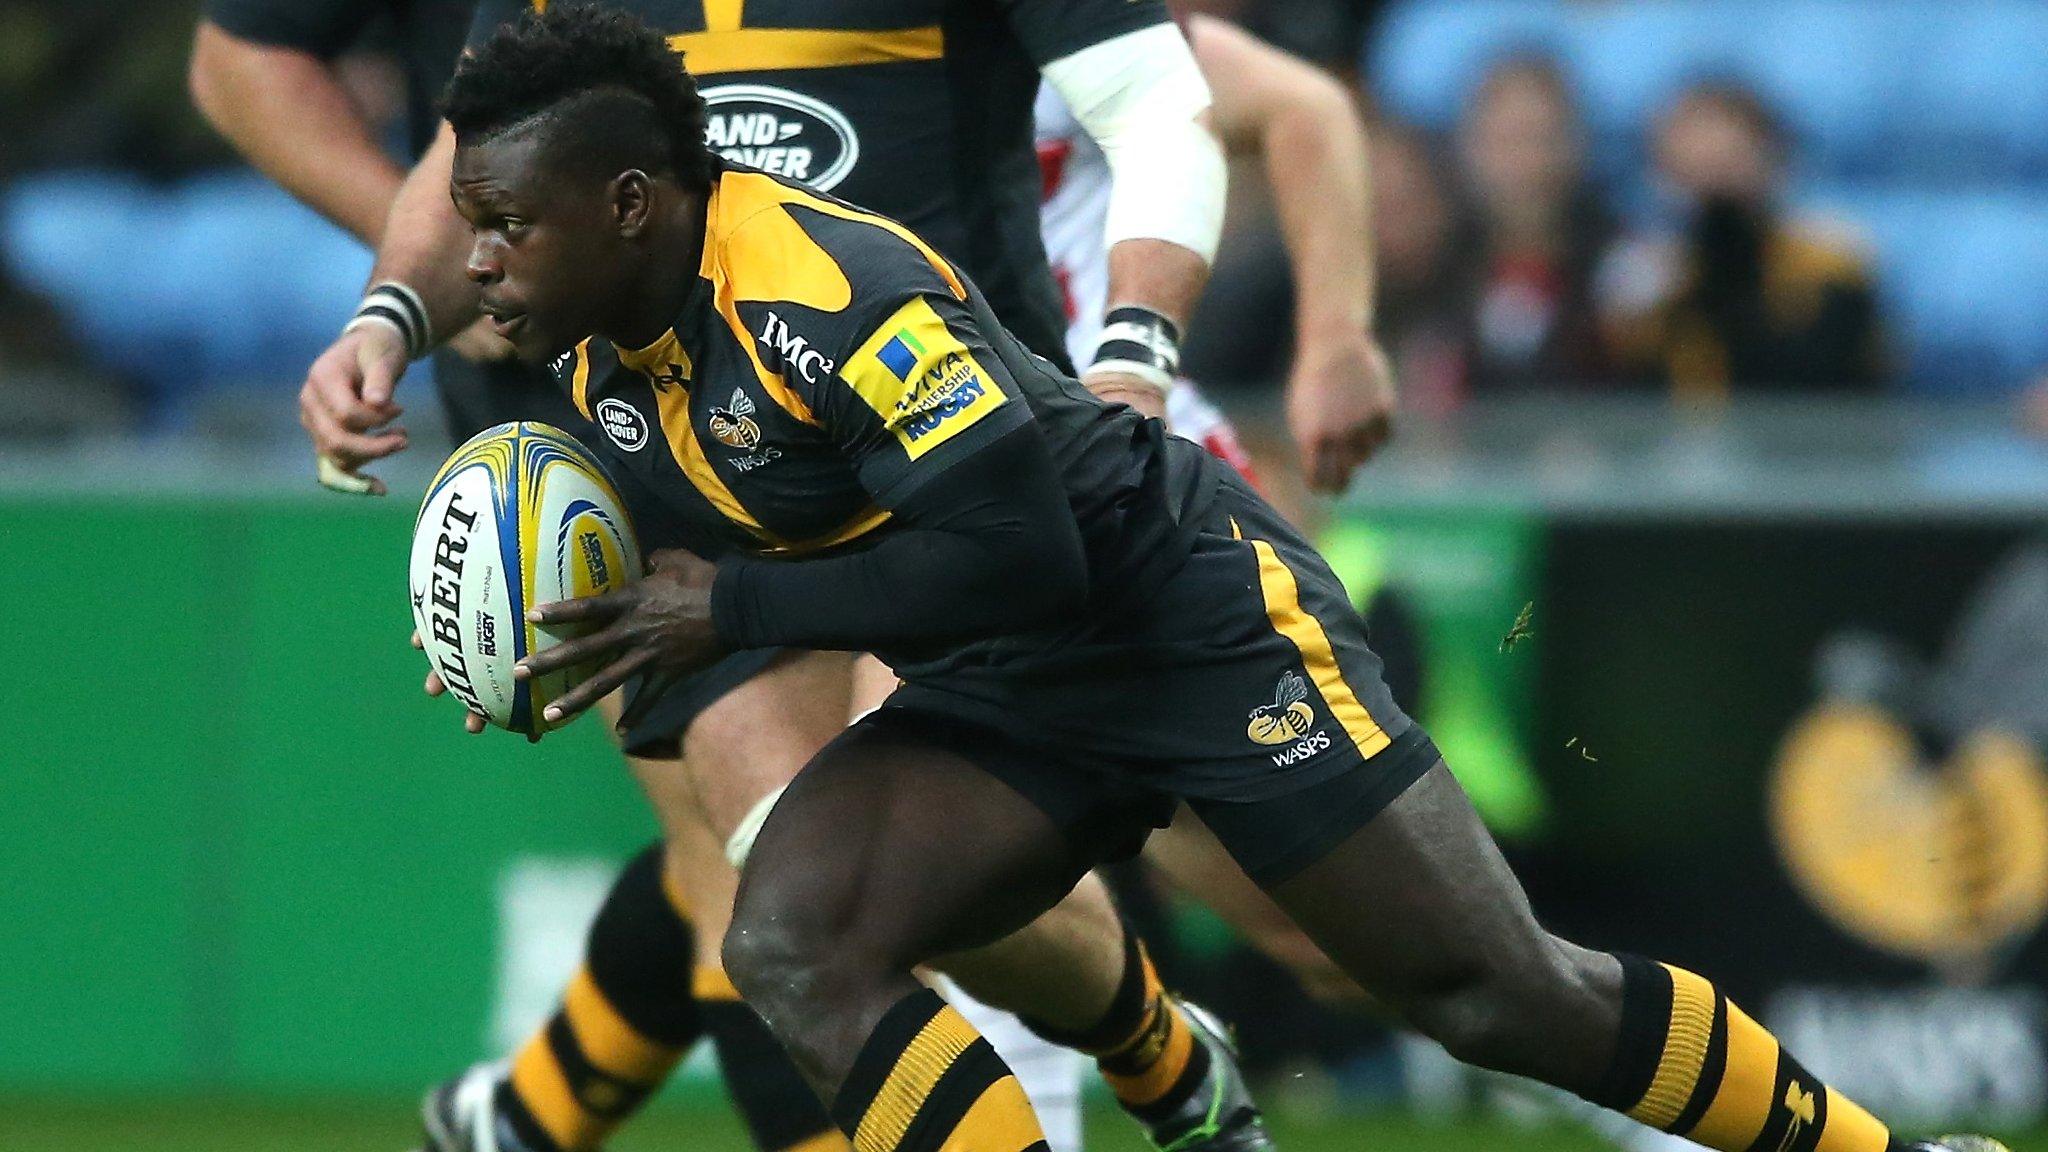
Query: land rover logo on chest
(779, 131)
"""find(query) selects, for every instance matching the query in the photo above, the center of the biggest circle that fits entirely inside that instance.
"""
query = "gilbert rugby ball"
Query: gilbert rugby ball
(521, 515)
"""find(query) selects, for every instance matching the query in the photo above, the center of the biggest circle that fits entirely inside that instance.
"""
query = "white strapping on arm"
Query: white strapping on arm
(1138, 95)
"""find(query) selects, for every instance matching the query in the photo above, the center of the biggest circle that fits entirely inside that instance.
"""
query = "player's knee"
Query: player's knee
(789, 963)
(768, 956)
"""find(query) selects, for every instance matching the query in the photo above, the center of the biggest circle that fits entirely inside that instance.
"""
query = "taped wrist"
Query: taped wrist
(393, 303)
(1138, 342)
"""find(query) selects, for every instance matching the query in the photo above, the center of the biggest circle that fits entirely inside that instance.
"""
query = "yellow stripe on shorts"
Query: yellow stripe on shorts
(1290, 619)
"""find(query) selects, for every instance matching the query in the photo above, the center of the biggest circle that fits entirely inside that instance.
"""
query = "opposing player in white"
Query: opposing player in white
(1301, 123)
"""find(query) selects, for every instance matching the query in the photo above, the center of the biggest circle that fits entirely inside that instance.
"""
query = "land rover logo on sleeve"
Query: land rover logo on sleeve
(622, 423)
(779, 131)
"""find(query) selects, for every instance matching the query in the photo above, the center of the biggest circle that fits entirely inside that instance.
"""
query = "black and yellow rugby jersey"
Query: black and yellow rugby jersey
(917, 109)
(828, 365)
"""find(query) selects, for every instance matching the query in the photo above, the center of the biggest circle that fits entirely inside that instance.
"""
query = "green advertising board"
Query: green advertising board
(244, 851)
(1469, 578)
(241, 848)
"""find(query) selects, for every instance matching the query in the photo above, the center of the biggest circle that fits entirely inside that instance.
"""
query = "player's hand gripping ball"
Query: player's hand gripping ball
(520, 515)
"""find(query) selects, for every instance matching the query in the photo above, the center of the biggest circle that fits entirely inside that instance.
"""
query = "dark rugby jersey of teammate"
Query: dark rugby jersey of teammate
(829, 369)
(430, 36)
(918, 109)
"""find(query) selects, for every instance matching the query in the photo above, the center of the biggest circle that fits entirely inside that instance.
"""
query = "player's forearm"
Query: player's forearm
(426, 243)
(1316, 164)
(1143, 101)
(991, 549)
(286, 112)
(1157, 275)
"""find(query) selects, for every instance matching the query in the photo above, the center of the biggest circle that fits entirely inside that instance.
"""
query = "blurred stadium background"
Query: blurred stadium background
(1721, 324)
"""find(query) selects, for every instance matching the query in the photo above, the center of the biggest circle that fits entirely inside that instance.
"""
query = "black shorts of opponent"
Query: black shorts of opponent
(477, 396)
(1243, 686)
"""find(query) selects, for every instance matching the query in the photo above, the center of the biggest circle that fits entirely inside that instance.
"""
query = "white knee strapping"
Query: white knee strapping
(741, 845)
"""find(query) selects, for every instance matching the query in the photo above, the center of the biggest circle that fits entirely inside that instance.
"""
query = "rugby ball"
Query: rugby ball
(520, 515)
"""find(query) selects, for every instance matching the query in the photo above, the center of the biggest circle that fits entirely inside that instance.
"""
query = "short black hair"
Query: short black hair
(597, 71)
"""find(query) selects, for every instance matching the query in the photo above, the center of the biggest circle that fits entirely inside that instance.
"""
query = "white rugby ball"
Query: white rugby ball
(520, 515)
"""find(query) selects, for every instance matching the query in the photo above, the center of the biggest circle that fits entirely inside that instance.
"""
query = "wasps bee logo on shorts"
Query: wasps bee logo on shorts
(733, 425)
(1287, 718)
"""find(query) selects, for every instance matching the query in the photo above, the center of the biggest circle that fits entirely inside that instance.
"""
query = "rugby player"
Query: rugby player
(1302, 128)
(725, 726)
(264, 73)
(1093, 621)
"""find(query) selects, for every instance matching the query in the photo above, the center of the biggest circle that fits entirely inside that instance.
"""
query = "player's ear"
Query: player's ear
(632, 201)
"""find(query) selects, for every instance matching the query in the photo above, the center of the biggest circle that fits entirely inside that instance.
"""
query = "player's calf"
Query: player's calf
(1170, 1065)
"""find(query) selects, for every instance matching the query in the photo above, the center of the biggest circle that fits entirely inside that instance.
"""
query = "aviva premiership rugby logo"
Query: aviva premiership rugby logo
(779, 131)
(1287, 718)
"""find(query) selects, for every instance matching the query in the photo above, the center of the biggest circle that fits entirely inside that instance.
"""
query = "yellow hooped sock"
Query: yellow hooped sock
(626, 1018)
(1143, 1045)
(1692, 1063)
(926, 1081)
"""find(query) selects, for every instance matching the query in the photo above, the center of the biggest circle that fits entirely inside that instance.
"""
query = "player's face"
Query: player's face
(546, 253)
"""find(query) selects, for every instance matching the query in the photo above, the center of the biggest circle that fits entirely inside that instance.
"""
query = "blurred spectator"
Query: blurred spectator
(47, 387)
(1540, 232)
(99, 84)
(1744, 297)
(1415, 226)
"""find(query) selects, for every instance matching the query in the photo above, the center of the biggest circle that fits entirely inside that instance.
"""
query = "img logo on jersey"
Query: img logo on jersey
(782, 132)
(784, 350)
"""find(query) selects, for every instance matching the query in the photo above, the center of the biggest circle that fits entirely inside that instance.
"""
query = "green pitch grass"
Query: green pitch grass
(238, 1126)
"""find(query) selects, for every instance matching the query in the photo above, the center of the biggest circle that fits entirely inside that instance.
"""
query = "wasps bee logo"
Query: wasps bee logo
(733, 425)
(1287, 718)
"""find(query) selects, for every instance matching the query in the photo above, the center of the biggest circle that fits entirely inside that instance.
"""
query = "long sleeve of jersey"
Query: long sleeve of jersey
(993, 550)
(321, 28)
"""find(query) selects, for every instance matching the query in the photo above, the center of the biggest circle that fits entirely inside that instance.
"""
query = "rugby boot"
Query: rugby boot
(461, 1115)
(1957, 1144)
(1220, 1116)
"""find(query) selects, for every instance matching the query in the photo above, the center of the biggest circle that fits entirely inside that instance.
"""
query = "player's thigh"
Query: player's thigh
(1419, 900)
(872, 683)
(1190, 857)
(897, 844)
(704, 884)
(753, 739)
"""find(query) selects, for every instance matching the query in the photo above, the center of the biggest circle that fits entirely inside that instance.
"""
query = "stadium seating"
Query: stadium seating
(220, 280)
(1924, 123)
